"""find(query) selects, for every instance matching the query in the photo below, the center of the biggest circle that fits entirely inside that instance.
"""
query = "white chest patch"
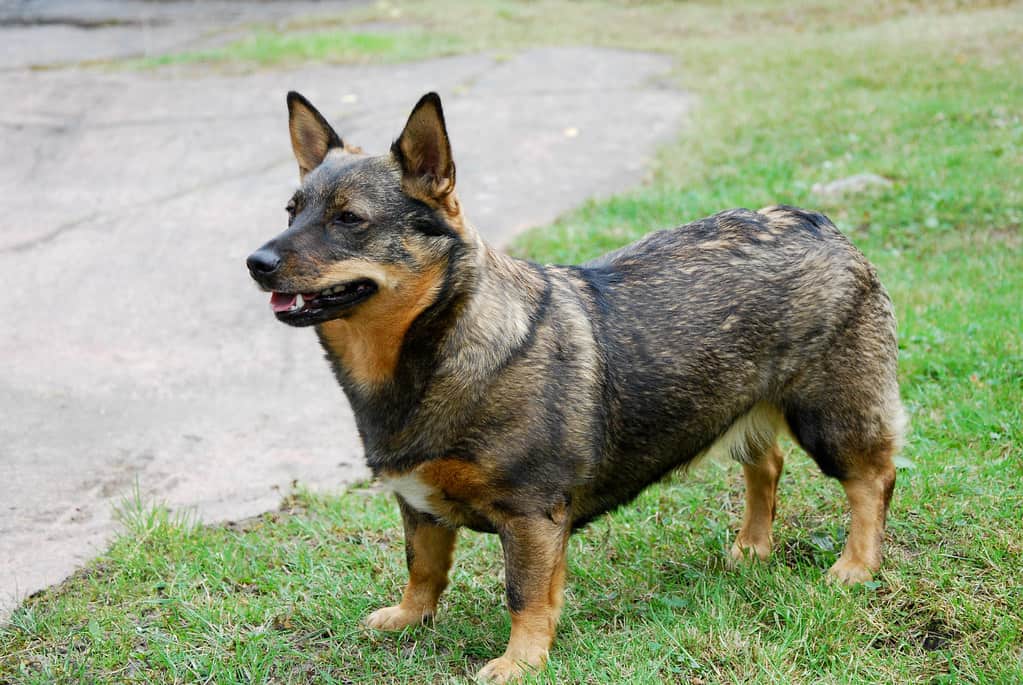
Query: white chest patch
(412, 490)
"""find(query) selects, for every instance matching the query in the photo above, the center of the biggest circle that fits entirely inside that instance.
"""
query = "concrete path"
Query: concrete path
(135, 349)
(50, 33)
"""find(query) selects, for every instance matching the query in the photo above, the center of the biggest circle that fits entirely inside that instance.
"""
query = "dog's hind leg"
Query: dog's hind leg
(853, 438)
(429, 549)
(844, 410)
(762, 475)
(869, 492)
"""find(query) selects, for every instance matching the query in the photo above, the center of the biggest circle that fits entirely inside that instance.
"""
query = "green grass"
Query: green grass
(928, 95)
(268, 47)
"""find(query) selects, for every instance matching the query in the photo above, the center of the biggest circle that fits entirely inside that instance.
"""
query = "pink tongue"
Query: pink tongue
(280, 302)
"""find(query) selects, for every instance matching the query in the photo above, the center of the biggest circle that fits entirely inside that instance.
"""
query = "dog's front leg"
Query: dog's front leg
(534, 557)
(429, 548)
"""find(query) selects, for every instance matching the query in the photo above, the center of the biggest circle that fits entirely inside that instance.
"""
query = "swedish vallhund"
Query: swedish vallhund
(526, 400)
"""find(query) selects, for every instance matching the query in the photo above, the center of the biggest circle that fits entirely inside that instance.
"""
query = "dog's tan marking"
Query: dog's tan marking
(455, 478)
(869, 494)
(461, 491)
(336, 273)
(761, 489)
(432, 551)
(453, 490)
(532, 634)
(453, 211)
(369, 340)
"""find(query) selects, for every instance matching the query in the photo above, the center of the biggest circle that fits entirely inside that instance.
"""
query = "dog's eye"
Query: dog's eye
(290, 209)
(347, 218)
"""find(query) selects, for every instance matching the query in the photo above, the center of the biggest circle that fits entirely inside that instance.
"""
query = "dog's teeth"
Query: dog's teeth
(299, 303)
(335, 289)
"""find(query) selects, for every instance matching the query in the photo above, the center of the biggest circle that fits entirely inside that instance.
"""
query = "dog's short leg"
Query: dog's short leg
(869, 493)
(762, 477)
(429, 548)
(534, 553)
(843, 408)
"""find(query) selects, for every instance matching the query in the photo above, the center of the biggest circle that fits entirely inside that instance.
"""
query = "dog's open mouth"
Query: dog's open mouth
(306, 309)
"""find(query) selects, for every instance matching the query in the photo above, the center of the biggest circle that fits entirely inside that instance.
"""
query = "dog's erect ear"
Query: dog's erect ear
(311, 136)
(424, 153)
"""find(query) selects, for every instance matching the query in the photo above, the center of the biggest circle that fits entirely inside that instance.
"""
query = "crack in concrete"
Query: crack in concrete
(46, 238)
(32, 243)
(21, 125)
(76, 22)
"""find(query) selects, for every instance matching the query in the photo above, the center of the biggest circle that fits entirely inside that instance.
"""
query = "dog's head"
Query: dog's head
(362, 228)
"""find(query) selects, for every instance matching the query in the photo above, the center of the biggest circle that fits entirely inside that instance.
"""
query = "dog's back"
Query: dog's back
(745, 319)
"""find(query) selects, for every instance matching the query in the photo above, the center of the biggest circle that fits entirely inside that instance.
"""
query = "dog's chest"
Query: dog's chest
(411, 488)
(454, 491)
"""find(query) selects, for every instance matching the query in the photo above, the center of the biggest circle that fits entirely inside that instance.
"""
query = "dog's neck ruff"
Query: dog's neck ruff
(451, 354)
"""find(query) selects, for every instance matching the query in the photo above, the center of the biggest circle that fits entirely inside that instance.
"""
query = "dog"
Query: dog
(526, 400)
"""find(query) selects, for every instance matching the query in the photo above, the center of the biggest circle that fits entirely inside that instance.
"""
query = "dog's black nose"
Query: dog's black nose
(263, 261)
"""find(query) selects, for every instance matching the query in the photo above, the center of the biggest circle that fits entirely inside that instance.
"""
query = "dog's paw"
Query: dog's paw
(501, 670)
(850, 572)
(744, 551)
(394, 618)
